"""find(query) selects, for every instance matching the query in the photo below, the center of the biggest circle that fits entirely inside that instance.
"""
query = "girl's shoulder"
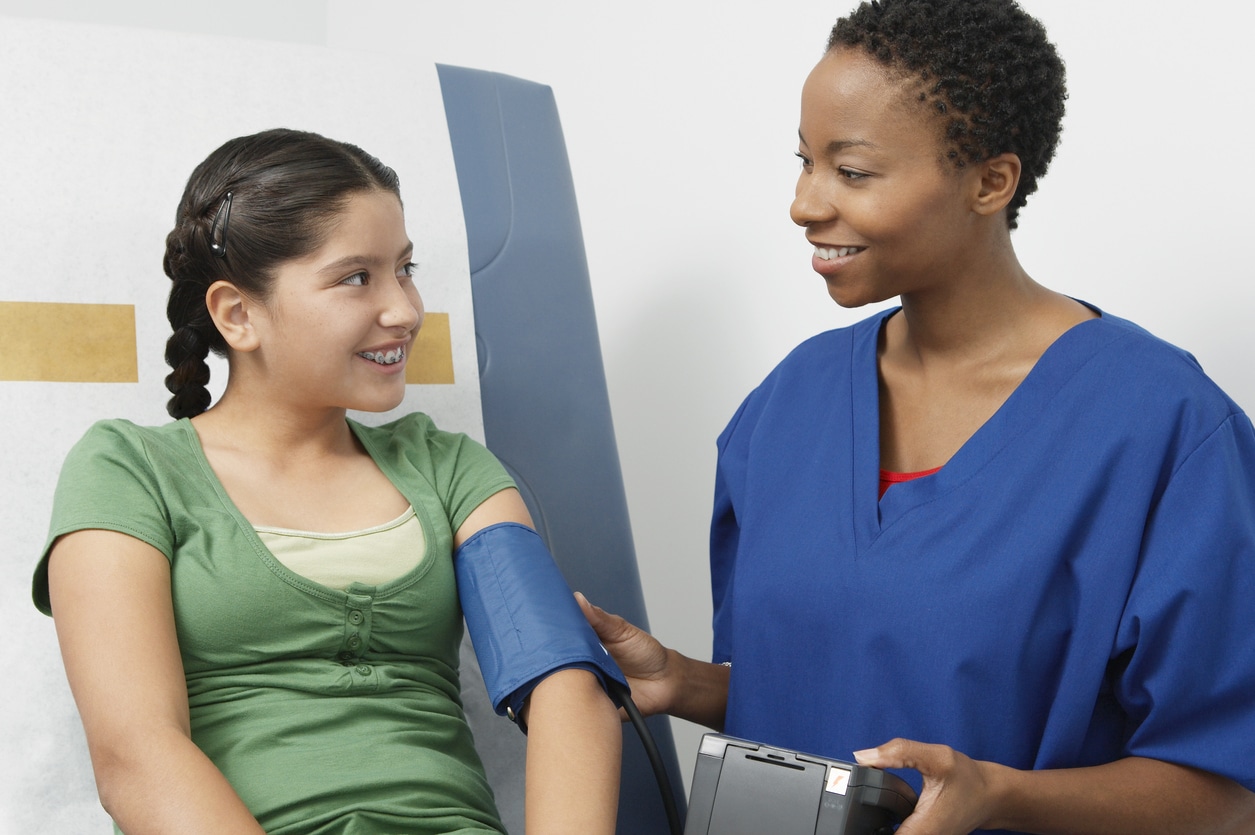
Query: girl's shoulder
(412, 431)
(122, 442)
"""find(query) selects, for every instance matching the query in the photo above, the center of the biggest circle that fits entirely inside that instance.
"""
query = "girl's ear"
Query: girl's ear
(230, 310)
(1000, 177)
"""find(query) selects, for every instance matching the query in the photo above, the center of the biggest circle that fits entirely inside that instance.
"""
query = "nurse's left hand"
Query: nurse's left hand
(958, 794)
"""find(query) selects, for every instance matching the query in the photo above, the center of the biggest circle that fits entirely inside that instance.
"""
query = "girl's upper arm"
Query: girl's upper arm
(114, 615)
(503, 506)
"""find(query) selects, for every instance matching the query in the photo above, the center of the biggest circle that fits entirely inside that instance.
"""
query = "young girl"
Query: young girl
(256, 604)
(1009, 532)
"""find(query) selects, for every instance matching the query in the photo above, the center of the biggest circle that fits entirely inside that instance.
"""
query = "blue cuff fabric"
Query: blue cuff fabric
(522, 617)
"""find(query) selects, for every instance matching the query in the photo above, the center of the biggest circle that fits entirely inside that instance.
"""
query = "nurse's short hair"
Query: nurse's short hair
(985, 68)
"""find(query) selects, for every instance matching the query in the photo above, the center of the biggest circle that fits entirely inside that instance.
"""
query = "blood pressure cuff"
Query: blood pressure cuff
(522, 617)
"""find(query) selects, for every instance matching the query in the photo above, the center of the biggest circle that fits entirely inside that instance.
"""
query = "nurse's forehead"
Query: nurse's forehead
(836, 146)
(851, 79)
(872, 123)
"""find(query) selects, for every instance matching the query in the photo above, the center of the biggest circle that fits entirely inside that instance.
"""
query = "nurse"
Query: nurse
(995, 537)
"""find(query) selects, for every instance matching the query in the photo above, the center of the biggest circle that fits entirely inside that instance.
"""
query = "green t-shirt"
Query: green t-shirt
(328, 711)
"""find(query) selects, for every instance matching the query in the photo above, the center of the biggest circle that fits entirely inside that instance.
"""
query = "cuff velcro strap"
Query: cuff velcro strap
(521, 615)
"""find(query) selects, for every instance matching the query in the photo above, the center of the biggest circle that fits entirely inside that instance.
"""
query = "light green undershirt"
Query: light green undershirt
(371, 557)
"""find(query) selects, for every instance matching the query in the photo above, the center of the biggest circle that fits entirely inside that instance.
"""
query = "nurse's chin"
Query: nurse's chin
(852, 298)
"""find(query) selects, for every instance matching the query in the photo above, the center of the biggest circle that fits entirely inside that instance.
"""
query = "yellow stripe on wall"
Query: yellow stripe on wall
(68, 343)
(95, 343)
(431, 361)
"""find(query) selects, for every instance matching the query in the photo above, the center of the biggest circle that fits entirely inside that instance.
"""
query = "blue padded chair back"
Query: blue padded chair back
(546, 409)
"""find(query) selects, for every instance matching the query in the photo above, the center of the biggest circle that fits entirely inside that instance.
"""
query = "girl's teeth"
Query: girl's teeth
(386, 357)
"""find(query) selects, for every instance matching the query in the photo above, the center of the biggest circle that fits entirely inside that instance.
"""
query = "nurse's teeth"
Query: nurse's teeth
(827, 253)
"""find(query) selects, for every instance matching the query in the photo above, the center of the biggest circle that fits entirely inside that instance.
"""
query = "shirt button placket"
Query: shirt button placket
(357, 625)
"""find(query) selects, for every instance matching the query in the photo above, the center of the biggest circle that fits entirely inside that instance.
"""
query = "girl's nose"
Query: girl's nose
(404, 308)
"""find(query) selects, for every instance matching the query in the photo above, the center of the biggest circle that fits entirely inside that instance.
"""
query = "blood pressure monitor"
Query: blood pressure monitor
(747, 788)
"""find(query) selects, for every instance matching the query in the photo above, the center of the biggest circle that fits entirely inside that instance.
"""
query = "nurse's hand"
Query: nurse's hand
(958, 791)
(641, 657)
(1133, 794)
(662, 680)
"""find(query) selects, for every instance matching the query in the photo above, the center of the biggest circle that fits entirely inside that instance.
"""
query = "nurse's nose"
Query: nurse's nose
(812, 202)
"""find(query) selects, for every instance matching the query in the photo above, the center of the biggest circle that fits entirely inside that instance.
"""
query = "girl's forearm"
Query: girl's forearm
(161, 783)
(574, 749)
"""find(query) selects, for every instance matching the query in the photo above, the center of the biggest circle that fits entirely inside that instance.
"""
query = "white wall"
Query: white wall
(294, 21)
(680, 120)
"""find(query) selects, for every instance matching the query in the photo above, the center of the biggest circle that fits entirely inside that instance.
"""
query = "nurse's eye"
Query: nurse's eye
(806, 163)
(851, 174)
(357, 279)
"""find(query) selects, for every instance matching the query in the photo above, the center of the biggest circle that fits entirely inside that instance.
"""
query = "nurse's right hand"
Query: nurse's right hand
(640, 655)
(662, 680)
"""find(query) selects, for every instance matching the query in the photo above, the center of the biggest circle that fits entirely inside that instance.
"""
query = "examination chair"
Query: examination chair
(546, 409)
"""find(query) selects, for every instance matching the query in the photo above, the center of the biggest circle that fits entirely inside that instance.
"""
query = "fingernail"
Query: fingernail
(867, 755)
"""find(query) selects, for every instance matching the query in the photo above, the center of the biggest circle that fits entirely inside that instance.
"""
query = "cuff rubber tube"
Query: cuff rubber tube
(522, 617)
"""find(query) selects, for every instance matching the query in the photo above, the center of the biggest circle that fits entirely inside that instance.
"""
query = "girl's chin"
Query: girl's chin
(379, 403)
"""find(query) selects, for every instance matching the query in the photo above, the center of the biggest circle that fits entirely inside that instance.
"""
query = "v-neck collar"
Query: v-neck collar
(287, 575)
(1056, 366)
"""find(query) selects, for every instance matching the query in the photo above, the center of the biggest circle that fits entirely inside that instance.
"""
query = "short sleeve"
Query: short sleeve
(468, 474)
(725, 534)
(461, 472)
(1186, 643)
(106, 483)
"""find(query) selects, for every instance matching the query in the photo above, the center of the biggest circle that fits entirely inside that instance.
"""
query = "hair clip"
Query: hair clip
(218, 239)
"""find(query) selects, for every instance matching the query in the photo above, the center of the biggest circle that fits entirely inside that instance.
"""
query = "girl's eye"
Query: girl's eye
(357, 280)
(409, 270)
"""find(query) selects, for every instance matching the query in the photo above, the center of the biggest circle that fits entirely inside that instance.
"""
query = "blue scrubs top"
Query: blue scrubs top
(1076, 585)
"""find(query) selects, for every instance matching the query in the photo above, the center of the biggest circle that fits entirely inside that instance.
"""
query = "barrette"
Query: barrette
(218, 231)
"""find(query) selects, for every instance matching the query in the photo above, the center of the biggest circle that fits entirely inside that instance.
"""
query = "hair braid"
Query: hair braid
(194, 333)
(186, 351)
